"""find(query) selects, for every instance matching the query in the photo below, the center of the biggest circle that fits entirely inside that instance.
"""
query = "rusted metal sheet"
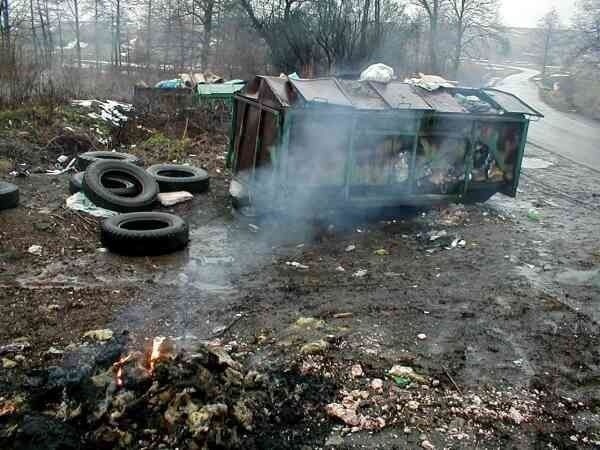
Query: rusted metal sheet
(362, 95)
(442, 101)
(400, 96)
(322, 90)
(510, 103)
(279, 87)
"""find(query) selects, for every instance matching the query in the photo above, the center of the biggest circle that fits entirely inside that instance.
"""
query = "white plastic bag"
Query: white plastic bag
(378, 72)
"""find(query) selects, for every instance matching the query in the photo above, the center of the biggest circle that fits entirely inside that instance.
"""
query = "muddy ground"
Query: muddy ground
(505, 330)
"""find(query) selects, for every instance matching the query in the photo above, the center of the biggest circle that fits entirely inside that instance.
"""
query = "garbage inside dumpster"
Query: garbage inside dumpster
(337, 142)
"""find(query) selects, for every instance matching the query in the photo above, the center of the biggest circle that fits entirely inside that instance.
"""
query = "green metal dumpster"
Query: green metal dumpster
(333, 143)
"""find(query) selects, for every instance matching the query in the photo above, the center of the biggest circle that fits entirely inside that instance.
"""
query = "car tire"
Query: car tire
(144, 233)
(177, 177)
(85, 159)
(9, 195)
(114, 184)
(146, 188)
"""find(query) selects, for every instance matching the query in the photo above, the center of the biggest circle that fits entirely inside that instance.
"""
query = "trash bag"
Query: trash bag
(379, 73)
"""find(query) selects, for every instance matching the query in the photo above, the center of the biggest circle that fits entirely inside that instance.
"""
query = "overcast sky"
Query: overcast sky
(526, 13)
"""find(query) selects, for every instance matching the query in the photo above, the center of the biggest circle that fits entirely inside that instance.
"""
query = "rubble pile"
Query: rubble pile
(156, 399)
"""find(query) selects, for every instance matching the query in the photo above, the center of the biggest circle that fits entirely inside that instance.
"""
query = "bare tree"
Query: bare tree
(473, 21)
(74, 4)
(434, 10)
(587, 22)
(549, 26)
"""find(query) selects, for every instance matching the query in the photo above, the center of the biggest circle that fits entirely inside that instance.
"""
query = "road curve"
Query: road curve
(570, 135)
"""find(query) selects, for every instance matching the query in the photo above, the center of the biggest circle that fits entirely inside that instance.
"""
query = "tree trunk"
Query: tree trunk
(96, 40)
(33, 31)
(459, 47)
(61, 44)
(546, 51)
(207, 23)
(4, 20)
(148, 33)
(77, 31)
(433, 37)
(363, 29)
(118, 35)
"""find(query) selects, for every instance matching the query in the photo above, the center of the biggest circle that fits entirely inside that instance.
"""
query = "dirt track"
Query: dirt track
(511, 319)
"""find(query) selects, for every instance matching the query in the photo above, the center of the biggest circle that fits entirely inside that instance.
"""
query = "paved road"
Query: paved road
(570, 135)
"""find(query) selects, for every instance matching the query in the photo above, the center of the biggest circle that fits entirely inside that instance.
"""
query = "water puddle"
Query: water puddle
(573, 277)
(535, 163)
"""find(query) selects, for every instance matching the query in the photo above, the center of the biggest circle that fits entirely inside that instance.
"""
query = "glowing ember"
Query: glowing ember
(156, 343)
(120, 377)
(119, 366)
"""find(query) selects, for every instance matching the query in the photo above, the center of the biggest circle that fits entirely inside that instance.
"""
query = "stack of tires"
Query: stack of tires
(116, 181)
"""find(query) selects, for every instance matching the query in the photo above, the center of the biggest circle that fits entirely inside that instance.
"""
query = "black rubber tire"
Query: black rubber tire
(146, 186)
(9, 195)
(177, 177)
(114, 184)
(145, 238)
(85, 159)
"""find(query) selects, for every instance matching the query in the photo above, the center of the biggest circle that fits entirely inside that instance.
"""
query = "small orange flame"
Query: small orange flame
(156, 343)
(119, 366)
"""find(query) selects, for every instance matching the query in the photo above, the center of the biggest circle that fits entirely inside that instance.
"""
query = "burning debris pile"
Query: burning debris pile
(155, 399)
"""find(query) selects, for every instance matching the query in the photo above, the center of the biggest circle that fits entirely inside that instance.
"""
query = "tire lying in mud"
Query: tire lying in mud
(144, 233)
(176, 177)
(9, 195)
(85, 159)
(116, 185)
(94, 180)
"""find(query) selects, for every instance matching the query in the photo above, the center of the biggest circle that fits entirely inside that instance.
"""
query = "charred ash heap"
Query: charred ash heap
(160, 398)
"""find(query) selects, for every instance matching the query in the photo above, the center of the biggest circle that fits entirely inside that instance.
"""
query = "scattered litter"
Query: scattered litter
(421, 336)
(314, 348)
(296, 265)
(412, 404)
(430, 82)
(309, 322)
(99, 335)
(8, 363)
(406, 372)
(356, 371)
(35, 250)
(79, 202)
(351, 248)
(435, 235)
(345, 315)
(379, 73)
(53, 351)
(381, 252)
(461, 243)
(340, 269)
(62, 159)
(253, 228)
(474, 104)
(453, 215)
(427, 445)
(61, 171)
(533, 215)
(360, 273)
(173, 198)
(109, 110)
(377, 385)
(14, 347)
(21, 170)
(515, 415)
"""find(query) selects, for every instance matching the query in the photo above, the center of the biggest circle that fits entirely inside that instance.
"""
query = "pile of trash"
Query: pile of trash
(106, 397)
(115, 113)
